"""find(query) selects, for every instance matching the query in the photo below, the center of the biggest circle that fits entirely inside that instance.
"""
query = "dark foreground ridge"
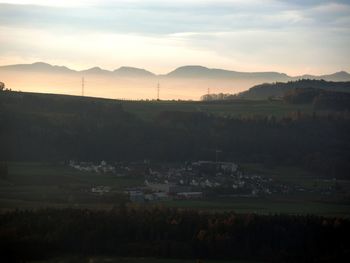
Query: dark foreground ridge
(171, 233)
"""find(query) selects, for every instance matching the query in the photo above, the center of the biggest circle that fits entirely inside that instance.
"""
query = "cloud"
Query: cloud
(165, 17)
(235, 33)
(60, 3)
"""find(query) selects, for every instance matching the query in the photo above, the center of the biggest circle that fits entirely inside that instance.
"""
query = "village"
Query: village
(184, 181)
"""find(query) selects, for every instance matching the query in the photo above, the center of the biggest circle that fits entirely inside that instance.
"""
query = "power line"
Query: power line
(82, 86)
(158, 90)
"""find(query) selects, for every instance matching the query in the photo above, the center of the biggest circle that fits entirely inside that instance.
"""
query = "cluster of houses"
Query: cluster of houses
(209, 178)
(118, 169)
(198, 180)
(153, 193)
(195, 180)
(101, 189)
(103, 167)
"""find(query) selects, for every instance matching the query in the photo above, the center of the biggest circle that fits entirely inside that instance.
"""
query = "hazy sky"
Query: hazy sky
(295, 37)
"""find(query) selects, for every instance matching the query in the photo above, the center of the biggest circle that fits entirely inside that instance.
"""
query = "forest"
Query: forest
(172, 233)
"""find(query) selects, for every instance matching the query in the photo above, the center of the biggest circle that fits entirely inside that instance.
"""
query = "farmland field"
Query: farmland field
(41, 185)
(237, 108)
(147, 110)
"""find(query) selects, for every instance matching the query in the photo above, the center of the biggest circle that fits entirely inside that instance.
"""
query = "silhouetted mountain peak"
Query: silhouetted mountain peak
(133, 72)
(189, 71)
(341, 74)
(197, 68)
(197, 71)
(46, 66)
(95, 70)
(337, 76)
(38, 67)
(41, 64)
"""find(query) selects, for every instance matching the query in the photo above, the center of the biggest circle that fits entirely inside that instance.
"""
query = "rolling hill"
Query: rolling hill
(265, 91)
(203, 72)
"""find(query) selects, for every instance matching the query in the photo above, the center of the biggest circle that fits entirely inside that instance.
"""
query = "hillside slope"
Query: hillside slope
(37, 127)
(265, 91)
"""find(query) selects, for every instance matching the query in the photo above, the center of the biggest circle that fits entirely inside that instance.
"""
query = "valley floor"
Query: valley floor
(42, 185)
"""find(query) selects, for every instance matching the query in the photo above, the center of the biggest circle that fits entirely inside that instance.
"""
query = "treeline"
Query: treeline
(171, 233)
(321, 99)
(218, 96)
(36, 129)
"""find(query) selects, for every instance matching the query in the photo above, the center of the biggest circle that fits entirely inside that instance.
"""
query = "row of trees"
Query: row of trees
(218, 96)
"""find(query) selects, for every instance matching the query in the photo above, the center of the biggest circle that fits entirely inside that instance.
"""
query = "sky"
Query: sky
(294, 37)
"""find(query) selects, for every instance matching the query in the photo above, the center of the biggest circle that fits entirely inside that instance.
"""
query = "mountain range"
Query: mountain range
(186, 82)
(193, 72)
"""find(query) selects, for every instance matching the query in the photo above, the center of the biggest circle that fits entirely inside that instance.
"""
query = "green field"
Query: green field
(148, 109)
(41, 185)
(37, 185)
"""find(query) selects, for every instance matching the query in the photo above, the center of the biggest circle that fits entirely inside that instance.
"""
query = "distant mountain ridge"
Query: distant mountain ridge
(203, 72)
(95, 70)
(37, 66)
(190, 71)
(41, 67)
(132, 72)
